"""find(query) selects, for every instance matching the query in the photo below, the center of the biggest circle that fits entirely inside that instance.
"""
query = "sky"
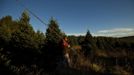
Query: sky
(75, 17)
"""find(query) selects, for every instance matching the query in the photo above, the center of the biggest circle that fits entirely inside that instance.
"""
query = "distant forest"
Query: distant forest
(24, 51)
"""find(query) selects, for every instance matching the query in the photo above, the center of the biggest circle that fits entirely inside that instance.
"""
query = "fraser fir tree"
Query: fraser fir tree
(88, 45)
(53, 49)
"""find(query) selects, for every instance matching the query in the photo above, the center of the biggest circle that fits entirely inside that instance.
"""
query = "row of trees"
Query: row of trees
(22, 48)
(89, 43)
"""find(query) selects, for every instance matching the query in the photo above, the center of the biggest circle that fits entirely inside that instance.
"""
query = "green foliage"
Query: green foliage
(53, 48)
(26, 52)
(19, 38)
(109, 43)
(39, 40)
(53, 33)
(88, 45)
(5, 30)
(25, 18)
(73, 40)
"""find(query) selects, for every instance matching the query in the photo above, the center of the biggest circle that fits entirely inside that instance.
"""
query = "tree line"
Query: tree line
(24, 51)
(21, 45)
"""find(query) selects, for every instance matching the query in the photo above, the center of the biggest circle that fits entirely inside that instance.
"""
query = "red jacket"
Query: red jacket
(65, 43)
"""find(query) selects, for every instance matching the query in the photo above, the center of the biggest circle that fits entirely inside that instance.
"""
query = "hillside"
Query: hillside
(128, 39)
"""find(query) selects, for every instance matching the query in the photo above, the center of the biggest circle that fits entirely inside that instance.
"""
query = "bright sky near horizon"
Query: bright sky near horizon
(101, 17)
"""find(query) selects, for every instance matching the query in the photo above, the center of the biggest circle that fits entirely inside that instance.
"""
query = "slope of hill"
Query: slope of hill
(127, 39)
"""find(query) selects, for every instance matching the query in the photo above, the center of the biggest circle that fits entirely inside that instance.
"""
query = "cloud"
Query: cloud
(77, 34)
(116, 32)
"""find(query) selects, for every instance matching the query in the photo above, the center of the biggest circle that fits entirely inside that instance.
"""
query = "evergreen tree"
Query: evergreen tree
(39, 39)
(25, 17)
(5, 30)
(23, 43)
(53, 49)
(88, 45)
(23, 37)
(53, 33)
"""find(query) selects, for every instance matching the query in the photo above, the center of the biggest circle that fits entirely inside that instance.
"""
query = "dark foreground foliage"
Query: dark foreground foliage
(24, 51)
